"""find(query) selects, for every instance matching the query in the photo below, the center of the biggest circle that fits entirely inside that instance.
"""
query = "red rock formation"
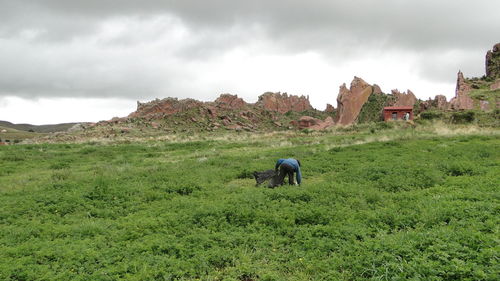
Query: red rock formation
(441, 102)
(212, 111)
(376, 89)
(329, 108)
(311, 123)
(351, 101)
(228, 101)
(283, 103)
(159, 108)
(493, 62)
(462, 100)
(404, 99)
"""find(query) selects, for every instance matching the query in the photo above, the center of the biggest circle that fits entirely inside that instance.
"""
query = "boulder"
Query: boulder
(155, 125)
(308, 122)
(462, 101)
(350, 101)
(283, 103)
(484, 105)
(249, 115)
(495, 85)
(212, 111)
(311, 123)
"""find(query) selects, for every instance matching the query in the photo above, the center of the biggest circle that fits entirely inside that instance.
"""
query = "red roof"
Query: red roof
(398, 108)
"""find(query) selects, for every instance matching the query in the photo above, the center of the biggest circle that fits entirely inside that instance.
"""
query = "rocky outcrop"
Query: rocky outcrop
(439, 102)
(160, 108)
(404, 99)
(377, 90)
(462, 100)
(227, 111)
(350, 101)
(329, 108)
(228, 101)
(311, 123)
(493, 62)
(283, 103)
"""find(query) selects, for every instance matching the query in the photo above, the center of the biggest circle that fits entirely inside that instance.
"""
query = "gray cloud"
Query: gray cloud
(419, 24)
(144, 49)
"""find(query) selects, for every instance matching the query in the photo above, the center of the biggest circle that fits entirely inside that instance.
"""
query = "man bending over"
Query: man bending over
(288, 167)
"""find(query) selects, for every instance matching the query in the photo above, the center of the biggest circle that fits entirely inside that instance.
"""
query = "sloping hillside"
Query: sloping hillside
(38, 128)
(10, 135)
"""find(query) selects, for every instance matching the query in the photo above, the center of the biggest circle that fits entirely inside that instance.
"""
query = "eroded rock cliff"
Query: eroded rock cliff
(350, 101)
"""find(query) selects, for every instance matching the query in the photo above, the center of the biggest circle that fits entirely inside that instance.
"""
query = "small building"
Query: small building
(398, 113)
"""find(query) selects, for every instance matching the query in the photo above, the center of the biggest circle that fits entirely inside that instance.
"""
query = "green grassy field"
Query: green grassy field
(378, 205)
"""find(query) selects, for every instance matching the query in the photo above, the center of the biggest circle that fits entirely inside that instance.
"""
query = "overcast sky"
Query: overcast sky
(65, 61)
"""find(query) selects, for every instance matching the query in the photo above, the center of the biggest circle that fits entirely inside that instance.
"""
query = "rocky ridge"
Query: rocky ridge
(462, 100)
(361, 102)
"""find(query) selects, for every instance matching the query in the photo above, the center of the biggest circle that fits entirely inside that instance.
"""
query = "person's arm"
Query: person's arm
(278, 163)
(299, 175)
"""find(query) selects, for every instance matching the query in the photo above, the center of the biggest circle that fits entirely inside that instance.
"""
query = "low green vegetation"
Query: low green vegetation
(373, 108)
(490, 96)
(378, 201)
(476, 117)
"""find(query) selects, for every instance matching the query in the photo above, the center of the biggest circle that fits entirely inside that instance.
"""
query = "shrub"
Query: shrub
(404, 178)
(459, 168)
(183, 189)
(462, 117)
(431, 115)
(245, 174)
(59, 165)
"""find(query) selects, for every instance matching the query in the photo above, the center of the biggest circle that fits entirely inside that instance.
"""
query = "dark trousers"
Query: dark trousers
(285, 169)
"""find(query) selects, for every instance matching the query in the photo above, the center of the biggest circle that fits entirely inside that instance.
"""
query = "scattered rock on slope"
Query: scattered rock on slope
(311, 123)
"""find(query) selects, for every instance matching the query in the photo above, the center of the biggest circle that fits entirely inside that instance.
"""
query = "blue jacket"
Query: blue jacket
(294, 163)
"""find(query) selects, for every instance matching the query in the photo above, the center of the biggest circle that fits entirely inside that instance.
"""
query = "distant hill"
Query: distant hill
(38, 128)
(11, 135)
